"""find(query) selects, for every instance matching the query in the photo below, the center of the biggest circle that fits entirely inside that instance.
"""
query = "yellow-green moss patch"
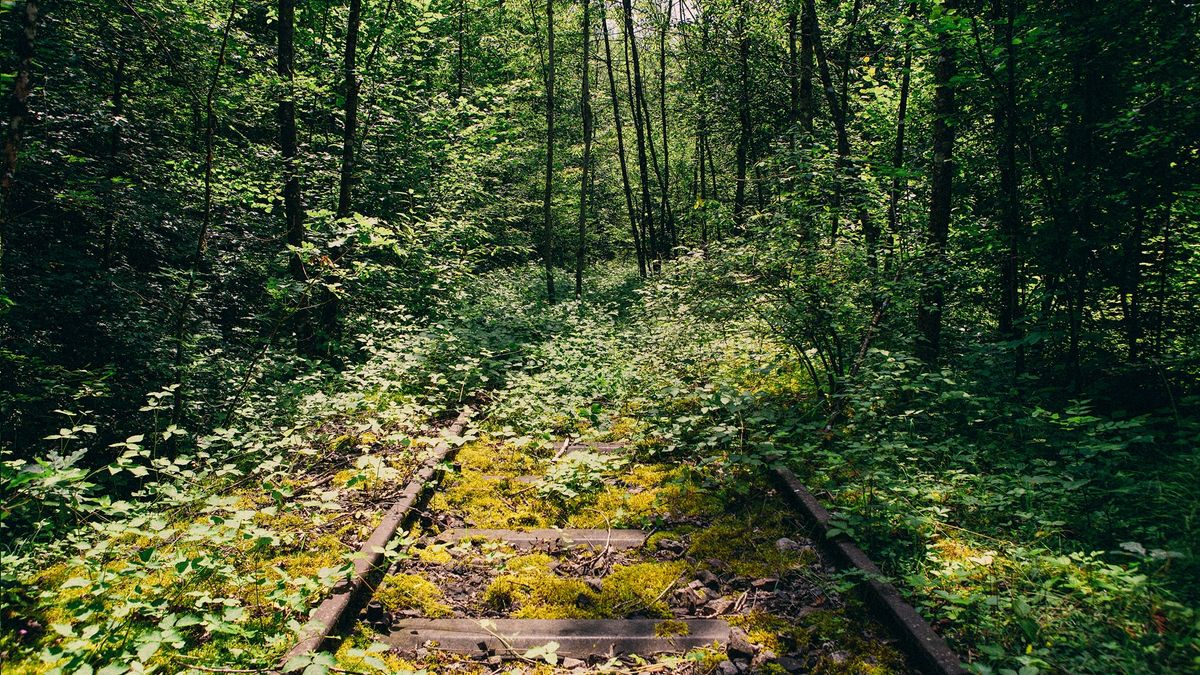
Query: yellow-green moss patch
(475, 498)
(862, 654)
(409, 591)
(435, 554)
(640, 588)
(746, 544)
(671, 628)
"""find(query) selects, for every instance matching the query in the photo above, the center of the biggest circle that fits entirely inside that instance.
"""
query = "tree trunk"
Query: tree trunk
(665, 185)
(586, 107)
(929, 310)
(1010, 206)
(793, 71)
(640, 123)
(350, 77)
(808, 27)
(547, 195)
(639, 248)
(330, 302)
(293, 207)
(114, 160)
(743, 145)
(898, 182)
(18, 106)
(458, 57)
(185, 301)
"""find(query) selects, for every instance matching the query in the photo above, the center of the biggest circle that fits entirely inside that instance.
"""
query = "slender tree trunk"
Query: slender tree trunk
(114, 160)
(898, 182)
(835, 109)
(744, 131)
(293, 206)
(547, 195)
(641, 123)
(330, 302)
(1010, 206)
(18, 106)
(458, 56)
(1164, 269)
(185, 301)
(639, 249)
(929, 310)
(665, 185)
(808, 28)
(350, 78)
(702, 132)
(586, 107)
(793, 71)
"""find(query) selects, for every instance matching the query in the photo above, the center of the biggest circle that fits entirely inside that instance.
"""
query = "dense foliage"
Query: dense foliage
(941, 257)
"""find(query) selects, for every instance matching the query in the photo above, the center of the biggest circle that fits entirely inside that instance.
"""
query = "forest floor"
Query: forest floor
(217, 561)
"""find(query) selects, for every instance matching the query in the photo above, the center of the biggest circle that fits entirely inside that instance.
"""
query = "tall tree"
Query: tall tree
(638, 245)
(586, 109)
(808, 28)
(793, 70)
(189, 292)
(898, 149)
(293, 205)
(330, 300)
(18, 108)
(941, 183)
(744, 129)
(547, 194)
(641, 124)
(669, 234)
(1005, 116)
(349, 108)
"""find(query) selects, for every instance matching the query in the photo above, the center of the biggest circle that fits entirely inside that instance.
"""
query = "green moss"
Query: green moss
(409, 591)
(746, 544)
(433, 555)
(828, 628)
(531, 590)
(535, 562)
(645, 492)
(351, 655)
(653, 540)
(341, 443)
(671, 628)
(475, 498)
(640, 588)
(488, 456)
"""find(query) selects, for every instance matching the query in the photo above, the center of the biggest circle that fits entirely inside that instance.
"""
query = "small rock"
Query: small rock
(740, 582)
(740, 647)
(839, 657)
(719, 606)
(742, 665)
(762, 658)
(791, 665)
(708, 579)
(784, 544)
(716, 564)
(760, 583)
(594, 584)
(727, 668)
(421, 653)
(495, 660)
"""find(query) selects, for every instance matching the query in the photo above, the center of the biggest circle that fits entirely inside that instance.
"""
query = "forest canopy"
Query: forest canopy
(941, 257)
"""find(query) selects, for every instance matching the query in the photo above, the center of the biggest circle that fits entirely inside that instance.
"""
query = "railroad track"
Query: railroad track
(497, 570)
